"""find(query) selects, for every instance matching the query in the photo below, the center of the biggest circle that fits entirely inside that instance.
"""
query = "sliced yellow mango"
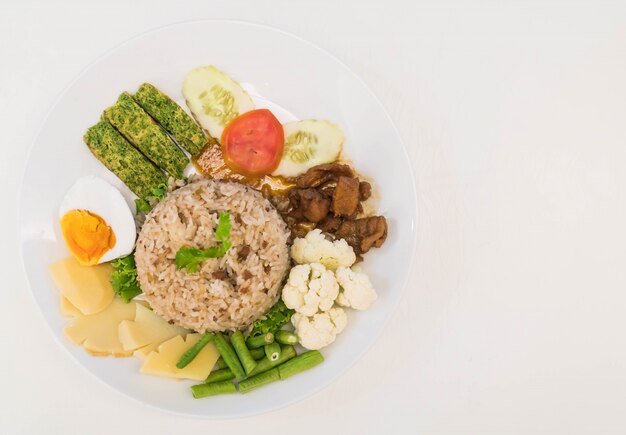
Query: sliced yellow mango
(67, 308)
(162, 362)
(88, 288)
(98, 333)
(146, 332)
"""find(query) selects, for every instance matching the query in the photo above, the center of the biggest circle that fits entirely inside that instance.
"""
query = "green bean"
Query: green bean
(286, 353)
(285, 337)
(220, 375)
(213, 389)
(259, 380)
(300, 363)
(193, 351)
(260, 340)
(229, 355)
(238, 342)
(272, 351)
(257, 353)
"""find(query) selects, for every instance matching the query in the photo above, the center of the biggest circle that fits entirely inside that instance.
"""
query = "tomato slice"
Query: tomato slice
(252, 143)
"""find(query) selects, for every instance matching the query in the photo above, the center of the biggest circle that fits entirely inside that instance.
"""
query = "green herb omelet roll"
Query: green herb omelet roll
(172, 117)
(123, 159)
(145, 134)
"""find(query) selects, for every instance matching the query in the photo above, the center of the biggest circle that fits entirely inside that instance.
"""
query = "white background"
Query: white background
(514, 116)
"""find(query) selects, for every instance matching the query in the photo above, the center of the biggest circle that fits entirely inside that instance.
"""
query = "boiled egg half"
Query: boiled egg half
(96, 222)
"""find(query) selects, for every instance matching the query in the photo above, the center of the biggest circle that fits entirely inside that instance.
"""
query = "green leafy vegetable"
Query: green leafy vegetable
(222, 231)
(273, 320)
(190, 258)
(159, 191)
(124, 278)
(142, 206)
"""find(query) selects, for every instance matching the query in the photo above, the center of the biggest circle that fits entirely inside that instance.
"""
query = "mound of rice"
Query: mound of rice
(227, 293)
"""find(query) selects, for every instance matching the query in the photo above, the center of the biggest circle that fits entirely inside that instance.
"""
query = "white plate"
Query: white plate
(285, 70)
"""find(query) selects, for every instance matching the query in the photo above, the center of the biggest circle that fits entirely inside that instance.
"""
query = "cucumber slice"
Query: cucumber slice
(214, 98)
(309, 143)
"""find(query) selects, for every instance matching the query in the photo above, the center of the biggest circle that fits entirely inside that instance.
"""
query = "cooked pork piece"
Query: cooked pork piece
(330, 224)
(220, 274)
(243, 253)
(308, 203)
(365, 190)
(322, 174)
(329, 197)
(327, 191)
(346, 196)
(363, 233)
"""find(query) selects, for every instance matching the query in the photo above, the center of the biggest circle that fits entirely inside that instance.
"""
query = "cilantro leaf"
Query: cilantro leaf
(143, 205)
(190, 258)
(222, 231)
(273, 320)
(124, 278)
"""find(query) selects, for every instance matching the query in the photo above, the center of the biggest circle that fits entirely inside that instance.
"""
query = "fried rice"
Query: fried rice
(227, 293)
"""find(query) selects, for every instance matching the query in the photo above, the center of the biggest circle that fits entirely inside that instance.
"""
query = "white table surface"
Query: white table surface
(514, 115)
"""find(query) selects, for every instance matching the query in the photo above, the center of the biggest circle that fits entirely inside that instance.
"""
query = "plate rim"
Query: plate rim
(415, 225)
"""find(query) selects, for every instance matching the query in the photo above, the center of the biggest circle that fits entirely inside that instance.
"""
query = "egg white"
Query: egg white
(97, 196)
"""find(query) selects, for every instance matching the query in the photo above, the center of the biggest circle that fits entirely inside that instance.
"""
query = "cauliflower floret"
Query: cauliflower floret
(356, 289)
(314, 248)
(321, 329)
(310, 288)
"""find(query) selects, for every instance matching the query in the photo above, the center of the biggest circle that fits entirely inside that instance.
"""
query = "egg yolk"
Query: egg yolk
(87, 235)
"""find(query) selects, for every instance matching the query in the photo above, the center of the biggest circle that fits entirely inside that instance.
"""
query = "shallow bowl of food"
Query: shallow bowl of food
(295, 80)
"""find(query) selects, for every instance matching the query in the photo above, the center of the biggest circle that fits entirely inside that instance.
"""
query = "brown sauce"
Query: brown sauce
(210, 163)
